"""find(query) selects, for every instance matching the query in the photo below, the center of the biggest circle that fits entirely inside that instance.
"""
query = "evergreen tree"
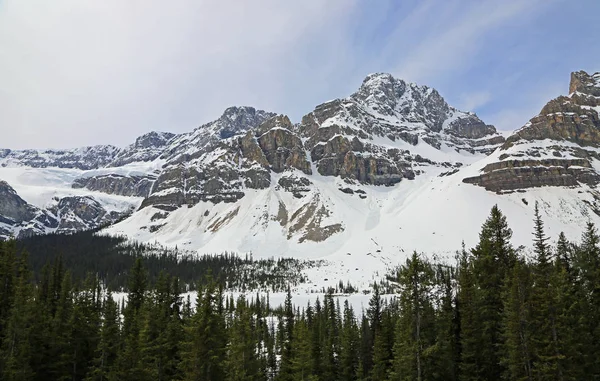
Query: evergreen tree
(517, 356)
(301, 356)
(493, 260)
(349, 345)
(243, 363)
(416, 281)
(587, 301)
(107, 349)
(204, 356)
(547, 312)
(443, 355)
(16, 345)
(129, 360)
(287, 331)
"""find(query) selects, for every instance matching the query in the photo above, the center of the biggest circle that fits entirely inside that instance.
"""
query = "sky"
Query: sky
(75, 73)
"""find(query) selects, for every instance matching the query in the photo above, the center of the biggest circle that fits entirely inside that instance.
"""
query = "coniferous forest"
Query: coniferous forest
(496, 314)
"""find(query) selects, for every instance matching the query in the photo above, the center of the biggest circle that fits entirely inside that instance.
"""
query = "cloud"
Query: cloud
(453, 36)
(104, 72)
(472, 101)
(81, 72)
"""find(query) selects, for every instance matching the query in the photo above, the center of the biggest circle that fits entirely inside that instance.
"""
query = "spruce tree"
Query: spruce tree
(107, 349)
(204, 356)
(587, 301)
(493, 260)
(243, 363)
(517, 356)
(349, 345)
(469, 335)
(416, 282)
(547, 312)
(287, 330)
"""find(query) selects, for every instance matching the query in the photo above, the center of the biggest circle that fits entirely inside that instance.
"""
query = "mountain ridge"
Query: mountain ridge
(359, 180)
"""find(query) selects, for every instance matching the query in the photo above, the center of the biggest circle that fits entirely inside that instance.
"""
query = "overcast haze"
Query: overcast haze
(76, 73)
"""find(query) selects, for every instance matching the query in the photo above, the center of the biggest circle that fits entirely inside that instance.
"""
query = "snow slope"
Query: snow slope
(430, 214)
(221, 187)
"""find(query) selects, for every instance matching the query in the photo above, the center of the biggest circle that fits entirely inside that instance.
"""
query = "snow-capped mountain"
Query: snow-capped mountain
(359, 181)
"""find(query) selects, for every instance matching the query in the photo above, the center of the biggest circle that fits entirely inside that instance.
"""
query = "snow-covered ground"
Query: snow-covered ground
(431, 214)
(42, 186)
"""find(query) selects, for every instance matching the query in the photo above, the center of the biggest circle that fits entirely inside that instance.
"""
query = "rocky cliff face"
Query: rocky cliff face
(13, 207)
(146, 148)
(556, 147)
(354, 137)
(134, 186)
(387, 132)
(81, 213)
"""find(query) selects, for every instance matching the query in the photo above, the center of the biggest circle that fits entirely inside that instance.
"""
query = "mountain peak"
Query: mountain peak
(379, 87)
(585, 83)
(238, 119)
(153, 139)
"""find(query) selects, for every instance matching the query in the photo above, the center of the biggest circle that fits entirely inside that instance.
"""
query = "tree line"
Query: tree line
(111, 257)
(494, 315)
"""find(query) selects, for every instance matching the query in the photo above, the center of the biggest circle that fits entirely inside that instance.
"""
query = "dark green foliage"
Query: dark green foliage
(492, 261)
(110, 258)
(493, 316)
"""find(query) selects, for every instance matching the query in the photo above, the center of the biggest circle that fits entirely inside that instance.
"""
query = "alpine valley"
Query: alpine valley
(359, 183)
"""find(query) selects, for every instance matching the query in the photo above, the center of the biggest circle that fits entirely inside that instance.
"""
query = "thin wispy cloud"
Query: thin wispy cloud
(78, 73)
(473, 101)
(454, 37)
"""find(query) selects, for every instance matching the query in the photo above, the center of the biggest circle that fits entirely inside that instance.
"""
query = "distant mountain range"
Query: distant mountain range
(359, 181)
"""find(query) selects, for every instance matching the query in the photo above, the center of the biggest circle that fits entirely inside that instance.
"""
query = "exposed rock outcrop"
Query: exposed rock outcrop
(14, 207)
(521, 174)
(342, 134)
(146, 148)
(585, 83)
(80, 213)
(68, 214)
(572, 123)
(282, 148)
(133, 186)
